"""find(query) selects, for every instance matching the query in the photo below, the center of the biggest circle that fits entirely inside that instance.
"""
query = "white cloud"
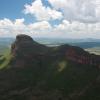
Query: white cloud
(12, 28)
(80, 18)
(19, 22)
(40, 25)
(77, 29)
(5, 22)
(85, 11)
(41, 12)
(59, 3)
(73, 29)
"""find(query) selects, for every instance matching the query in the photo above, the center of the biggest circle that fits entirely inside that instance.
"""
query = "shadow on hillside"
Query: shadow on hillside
(50, 79)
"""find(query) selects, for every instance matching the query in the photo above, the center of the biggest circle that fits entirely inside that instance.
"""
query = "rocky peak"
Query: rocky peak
(21, 43)
(23, 38)
(24, 50)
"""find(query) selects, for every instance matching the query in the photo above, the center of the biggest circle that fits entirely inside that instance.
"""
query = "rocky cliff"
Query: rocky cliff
(26, 51)
(37, 72)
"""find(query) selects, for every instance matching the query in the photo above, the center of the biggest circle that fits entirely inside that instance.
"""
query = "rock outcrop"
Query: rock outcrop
(24, 50)
(21, 43)
(78, 55)
(37, 72)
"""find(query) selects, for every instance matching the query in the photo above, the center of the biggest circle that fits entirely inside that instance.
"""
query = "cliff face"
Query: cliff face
(26, 51)
(50, 73)
(80, 56)
(20, 45)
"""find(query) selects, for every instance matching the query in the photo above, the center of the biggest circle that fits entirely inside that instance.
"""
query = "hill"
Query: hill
(36, 72)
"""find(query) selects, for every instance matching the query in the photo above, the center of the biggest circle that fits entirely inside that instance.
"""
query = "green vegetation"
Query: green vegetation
(37, 72)
(50, 80)
(5, 59)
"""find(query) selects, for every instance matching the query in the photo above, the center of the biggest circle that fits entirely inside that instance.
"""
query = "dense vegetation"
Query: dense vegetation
(52, 80)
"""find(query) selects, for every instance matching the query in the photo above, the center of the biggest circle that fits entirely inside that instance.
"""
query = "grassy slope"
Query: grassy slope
(5, 59)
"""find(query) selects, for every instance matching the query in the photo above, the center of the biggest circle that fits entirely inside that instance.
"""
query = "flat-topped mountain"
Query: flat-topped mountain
(25, 50)
(26, 45)
(37, 72)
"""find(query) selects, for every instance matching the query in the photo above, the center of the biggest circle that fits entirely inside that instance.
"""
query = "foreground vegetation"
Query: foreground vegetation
(31, 71)
(56, 79)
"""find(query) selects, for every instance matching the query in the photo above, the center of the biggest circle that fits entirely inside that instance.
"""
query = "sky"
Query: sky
(50, 18)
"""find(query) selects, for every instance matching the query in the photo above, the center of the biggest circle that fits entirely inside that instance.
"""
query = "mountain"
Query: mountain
(33, 71)
(83, 43)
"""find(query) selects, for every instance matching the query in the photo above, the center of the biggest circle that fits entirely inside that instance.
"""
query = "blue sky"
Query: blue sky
(50, 18)
(12, 9)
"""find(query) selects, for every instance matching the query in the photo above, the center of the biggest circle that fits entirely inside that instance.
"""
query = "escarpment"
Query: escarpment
(35, 71)
(26, 51)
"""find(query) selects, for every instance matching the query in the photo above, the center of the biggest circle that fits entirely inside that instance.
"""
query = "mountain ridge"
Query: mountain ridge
(25, 47)
(38, 72)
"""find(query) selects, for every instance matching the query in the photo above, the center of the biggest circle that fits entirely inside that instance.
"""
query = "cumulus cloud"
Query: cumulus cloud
(73, 29)
(41, 12)
(78, 18)
(40, 25)
(12, 28)
(6, 23)
(78, 29)
(86, 11)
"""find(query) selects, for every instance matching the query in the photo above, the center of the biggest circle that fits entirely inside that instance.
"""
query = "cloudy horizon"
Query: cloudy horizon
(50, 18)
